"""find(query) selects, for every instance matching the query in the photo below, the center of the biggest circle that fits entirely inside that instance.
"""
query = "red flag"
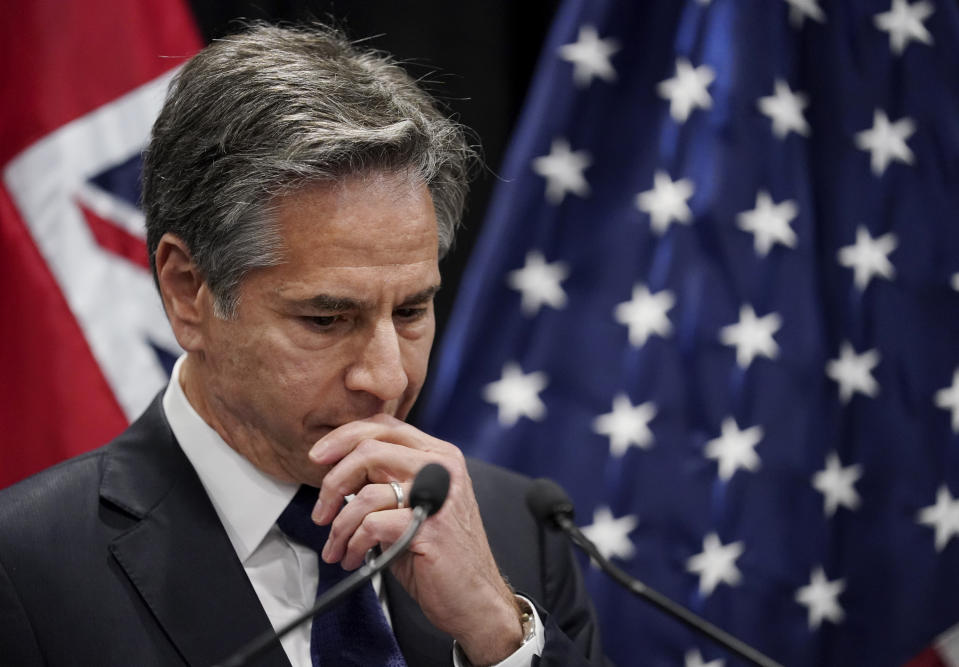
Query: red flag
(82, 335)
(944, 651)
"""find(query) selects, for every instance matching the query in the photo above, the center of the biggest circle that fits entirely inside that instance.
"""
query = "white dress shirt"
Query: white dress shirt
(283, 573)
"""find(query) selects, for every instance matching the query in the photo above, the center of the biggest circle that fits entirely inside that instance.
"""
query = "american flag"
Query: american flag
(716, 299)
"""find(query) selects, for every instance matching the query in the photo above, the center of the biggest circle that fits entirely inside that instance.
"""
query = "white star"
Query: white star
(886, 141)
(752, 336)
(517, 394)
(666, 202)
(611, 536)
(735, 449)
(954, 281)
(943, 516)
(800, 10)
(769, 223)
(539, 283)
(694, 658)
(626, 425)
(563, 171)
(645, 314)
(903, 22)
(835, 483)
(716, 564)
(784, 108)
(687, 90)
(590, 56)
(948, 399)
(869, 257)
(853, 372)
(820, 597)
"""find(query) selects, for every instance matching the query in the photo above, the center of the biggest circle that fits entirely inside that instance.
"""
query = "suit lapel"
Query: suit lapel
(177, 555)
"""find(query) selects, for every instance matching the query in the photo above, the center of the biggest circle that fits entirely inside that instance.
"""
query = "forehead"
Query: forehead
(376, 219)
(370, 240)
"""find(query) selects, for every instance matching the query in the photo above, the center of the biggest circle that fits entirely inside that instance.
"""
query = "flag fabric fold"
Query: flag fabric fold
(717, 298)
(84, 343)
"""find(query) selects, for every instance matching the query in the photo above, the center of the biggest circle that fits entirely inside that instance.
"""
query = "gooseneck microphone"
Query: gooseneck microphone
(427, 496)
(548, 502)
(430, 487)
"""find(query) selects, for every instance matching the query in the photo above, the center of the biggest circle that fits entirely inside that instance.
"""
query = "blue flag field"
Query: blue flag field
(717, 299)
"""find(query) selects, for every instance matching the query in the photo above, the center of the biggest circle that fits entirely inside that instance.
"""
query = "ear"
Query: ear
(185, 295)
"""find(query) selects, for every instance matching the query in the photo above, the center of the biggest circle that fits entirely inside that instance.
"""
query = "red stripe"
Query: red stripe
(54, 400)
(116, 239)
(58, 62)
(62, 60)
(928, 658)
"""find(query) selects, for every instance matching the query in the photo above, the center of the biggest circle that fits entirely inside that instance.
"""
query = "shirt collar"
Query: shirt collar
(247, 500)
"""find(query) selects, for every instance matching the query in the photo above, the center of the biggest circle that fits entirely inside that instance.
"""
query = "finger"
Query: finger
(371, 498)
(339, 442)
(371, 462)
(384, 527)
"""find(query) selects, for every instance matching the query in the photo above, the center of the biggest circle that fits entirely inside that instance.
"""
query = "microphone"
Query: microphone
(549, 504)
(430, 487)
(427, 496)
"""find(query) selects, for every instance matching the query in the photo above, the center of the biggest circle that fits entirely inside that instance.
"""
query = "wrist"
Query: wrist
(501, 636)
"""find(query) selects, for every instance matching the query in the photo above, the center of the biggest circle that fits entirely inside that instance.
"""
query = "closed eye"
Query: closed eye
(411, 314)
(322, 321)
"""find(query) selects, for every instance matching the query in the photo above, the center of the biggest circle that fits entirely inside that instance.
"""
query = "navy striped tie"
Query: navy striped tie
(354, 633)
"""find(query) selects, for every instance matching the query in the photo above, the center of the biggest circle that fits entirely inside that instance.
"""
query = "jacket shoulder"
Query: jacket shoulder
(72, 489)
(56, 490)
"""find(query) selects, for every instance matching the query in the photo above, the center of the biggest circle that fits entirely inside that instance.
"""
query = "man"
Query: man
(299, 194)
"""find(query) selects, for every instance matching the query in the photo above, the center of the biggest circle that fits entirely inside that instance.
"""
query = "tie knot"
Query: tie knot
(295, 520)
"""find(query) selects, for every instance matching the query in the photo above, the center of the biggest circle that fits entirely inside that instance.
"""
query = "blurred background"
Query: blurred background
(708, 281)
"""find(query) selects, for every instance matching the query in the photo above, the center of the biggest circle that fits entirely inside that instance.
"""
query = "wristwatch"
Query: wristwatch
(526, 620)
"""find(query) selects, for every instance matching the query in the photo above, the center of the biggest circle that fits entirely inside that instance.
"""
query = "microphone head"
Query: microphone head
(430, 487)
(547, 500)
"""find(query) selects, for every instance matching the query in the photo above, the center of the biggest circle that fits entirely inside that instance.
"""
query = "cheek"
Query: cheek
(262, 363)
(302, 380)
(294, 370)
(305, 382)
(416, 361)
(227, 352)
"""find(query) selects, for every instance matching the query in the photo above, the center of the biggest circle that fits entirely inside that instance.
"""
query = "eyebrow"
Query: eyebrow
(340, 304)
(421, 297)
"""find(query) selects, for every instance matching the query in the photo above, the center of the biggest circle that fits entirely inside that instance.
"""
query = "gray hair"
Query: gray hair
(265, 112)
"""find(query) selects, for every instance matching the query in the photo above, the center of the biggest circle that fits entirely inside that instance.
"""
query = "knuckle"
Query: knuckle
(334, 532)
(380, 473)
(342, 489)
(366, 499)
(367, 446)
(455, 463)
(457, 455)
(330, 480)
(407, 428)
(366, 531)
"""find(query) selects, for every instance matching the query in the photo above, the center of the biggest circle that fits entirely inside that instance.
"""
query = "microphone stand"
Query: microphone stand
(265, 641)
(663, 603)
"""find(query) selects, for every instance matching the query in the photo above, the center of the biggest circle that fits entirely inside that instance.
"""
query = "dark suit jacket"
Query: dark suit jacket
(117, 557)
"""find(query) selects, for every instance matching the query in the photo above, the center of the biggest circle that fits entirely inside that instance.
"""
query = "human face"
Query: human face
(341, 330)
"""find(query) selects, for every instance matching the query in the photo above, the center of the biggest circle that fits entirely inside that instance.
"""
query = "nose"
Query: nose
(378, 365)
